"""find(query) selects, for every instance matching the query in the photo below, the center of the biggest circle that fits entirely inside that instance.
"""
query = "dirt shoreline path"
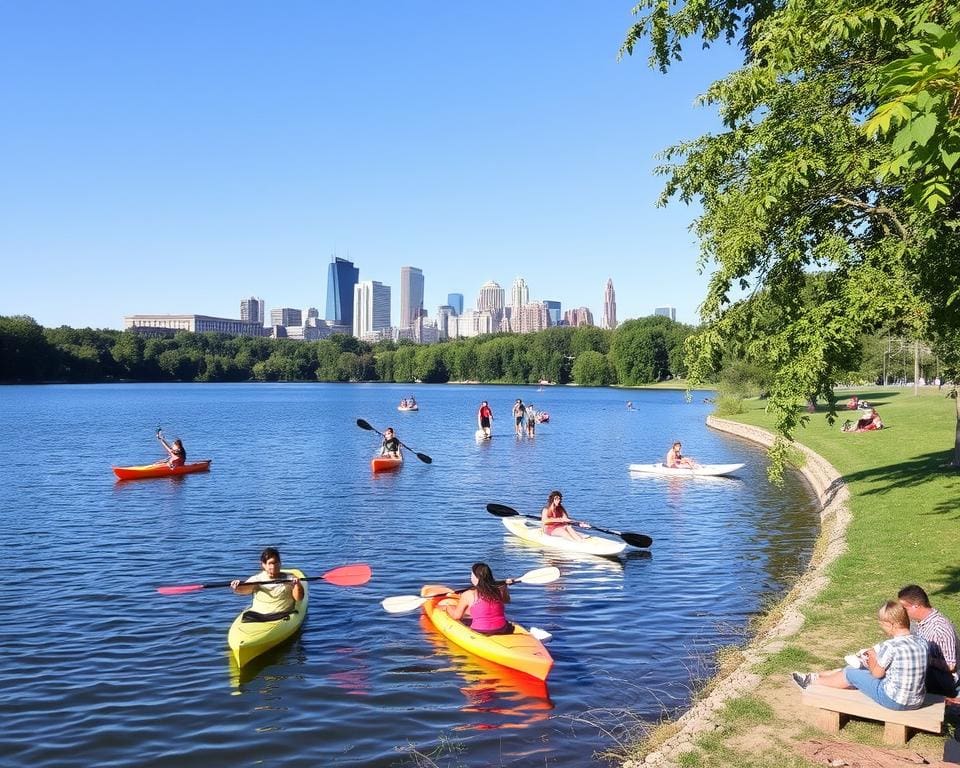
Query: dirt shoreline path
(833, 497)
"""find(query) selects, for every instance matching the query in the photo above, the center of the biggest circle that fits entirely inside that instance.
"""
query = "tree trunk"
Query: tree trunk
(956, 441)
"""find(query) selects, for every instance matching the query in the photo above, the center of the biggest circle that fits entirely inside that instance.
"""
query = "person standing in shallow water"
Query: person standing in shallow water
(531, 420)
(519, 412)
(485, 418)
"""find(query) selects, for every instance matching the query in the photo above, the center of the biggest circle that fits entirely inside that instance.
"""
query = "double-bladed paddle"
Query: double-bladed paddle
(633, 539)
(422, 456)
(407, 603)
(344, 576)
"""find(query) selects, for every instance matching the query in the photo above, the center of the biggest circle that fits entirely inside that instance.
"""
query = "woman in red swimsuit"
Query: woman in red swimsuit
(555, 520)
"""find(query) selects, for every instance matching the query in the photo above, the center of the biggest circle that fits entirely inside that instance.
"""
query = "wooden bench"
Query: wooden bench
(837, 705)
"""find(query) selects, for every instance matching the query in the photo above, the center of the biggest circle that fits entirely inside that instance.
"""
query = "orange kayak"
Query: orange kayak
(160, 469)
(519, 650)
(385, 463)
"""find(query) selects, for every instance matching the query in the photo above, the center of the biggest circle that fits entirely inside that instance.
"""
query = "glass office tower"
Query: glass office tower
(342, 276)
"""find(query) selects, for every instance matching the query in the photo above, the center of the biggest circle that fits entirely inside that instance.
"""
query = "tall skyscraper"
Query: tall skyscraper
(670, 312)
(251, 310)
(371, 307)
(490, 298)
(553, 312)
(444, 314)
(519, 293)
(609, 306)
(342, 276)
(455, 300)
(411, 295)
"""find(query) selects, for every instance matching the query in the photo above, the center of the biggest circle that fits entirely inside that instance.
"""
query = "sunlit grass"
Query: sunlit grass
(905, 504)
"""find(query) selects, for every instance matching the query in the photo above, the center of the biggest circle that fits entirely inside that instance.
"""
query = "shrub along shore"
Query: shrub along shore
(902, 529)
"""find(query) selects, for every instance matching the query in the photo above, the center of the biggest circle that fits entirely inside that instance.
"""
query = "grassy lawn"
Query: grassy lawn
(906, 508)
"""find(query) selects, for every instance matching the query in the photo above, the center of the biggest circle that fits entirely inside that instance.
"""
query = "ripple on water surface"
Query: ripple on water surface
(105, 671)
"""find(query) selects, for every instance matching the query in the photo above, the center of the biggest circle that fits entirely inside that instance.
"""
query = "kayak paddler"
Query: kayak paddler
(484, 603)
(555, 520)
(270, 601)
(676, 460)
(390, 445)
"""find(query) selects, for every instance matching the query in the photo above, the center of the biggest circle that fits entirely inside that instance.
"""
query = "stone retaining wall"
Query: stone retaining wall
(832, 495)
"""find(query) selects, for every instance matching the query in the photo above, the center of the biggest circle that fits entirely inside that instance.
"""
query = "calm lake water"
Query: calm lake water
(99, 669)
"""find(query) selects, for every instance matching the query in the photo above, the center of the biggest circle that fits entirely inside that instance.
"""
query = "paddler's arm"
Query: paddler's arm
(243, 587)
(465, 601)
(297, 590)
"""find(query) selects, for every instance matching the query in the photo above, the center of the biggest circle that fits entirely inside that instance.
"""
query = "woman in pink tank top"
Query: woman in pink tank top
(484, 603)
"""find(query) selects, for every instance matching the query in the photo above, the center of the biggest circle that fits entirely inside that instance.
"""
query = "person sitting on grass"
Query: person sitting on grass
(895, 670)
(868, 423)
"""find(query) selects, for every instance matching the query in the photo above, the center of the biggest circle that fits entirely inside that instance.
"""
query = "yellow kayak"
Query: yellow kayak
(249, 639)
(519, 650)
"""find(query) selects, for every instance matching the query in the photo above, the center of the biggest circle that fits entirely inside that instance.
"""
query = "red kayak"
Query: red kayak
(160, 469)
(385, 463)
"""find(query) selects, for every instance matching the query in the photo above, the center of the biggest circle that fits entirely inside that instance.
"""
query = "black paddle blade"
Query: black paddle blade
(364, 425)
(637, 540)
(502, 511)
(424, 458)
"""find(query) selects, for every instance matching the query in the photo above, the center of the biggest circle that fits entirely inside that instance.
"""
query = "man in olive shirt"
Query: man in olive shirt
(271, 600)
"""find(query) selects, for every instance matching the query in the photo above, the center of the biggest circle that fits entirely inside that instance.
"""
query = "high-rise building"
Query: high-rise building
(286, 316)
(530, 318)
(251, 310)
(609, 306)
(578, 316)
(411, 295)
(371, 307)
(455, 300)
(519, 293)
(444, 313)
(490, 298)
(342, 276)
(670, 312)
(553, 312)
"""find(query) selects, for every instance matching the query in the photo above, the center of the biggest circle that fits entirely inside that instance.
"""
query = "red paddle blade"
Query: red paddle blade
(180, 590)
(348, 575)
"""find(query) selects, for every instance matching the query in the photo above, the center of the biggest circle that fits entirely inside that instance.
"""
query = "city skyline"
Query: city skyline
(231, 175)
(521, 314)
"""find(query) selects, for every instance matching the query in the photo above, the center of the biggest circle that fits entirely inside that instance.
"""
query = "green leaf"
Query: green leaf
(949, 159)
(922, 128)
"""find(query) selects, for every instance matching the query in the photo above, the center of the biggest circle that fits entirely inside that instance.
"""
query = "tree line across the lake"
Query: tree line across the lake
(641, 351)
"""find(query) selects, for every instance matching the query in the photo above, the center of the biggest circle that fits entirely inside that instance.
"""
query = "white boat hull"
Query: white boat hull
(531, 531)
(703, 470)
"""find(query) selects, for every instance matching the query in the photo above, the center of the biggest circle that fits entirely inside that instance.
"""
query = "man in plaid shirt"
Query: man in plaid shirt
(894, 672)
(939, 633)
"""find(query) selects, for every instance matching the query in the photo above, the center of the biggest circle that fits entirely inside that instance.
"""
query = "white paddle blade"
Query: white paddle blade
(540, 576)
(402, 603)
(541, 634)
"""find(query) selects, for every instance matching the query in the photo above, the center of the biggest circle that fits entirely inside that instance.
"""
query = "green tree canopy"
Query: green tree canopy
(800, 181)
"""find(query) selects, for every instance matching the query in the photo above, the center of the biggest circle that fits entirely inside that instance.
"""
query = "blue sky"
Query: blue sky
(176, 157)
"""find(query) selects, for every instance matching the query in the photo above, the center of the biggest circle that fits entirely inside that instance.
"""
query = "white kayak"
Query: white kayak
(701, 470)
(530, 530)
